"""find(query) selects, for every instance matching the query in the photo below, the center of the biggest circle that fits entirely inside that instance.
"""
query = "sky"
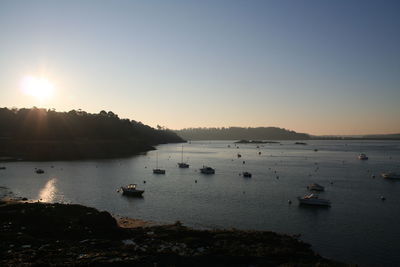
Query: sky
(320, 67)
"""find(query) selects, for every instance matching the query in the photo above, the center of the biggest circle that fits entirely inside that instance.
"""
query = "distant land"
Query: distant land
(239, 133)
(267, 133)
(40, 134)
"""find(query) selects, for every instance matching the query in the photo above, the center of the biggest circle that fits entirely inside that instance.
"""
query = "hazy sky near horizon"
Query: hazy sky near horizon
(321, 67)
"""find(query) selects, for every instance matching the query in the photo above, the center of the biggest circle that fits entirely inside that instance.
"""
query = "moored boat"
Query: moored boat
(182, 164)
(39, 171)
(362, 156)
(313, 200)
(131, 190)
(390, 175)
(247, 174)
(158, 171)
(207, 170)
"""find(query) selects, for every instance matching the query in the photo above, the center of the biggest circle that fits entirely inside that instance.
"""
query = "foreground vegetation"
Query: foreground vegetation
(44, 234)
(40, 134)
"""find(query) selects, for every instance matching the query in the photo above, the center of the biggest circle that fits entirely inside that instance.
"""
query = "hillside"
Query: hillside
(240, 133)
(40, 134)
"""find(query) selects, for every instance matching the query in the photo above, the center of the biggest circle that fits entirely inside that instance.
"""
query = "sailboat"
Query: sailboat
(182, 164)
(157, 170)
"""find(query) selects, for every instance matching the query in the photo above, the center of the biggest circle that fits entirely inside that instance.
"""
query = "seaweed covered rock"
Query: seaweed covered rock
(57, 220)
(44, 234)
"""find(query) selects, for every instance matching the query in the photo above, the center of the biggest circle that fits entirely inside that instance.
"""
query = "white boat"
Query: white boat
(182, 164)
(157, 170)
(390, 175)
(131, 190)
(247, 174)
(316, 187)
(207, 170)
(362, 156)
(313, 200)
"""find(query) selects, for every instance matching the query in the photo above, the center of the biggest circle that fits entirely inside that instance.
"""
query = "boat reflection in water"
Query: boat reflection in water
(48, 193)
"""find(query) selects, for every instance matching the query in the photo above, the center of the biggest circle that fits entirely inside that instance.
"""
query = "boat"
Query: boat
(39, 171)
(158, 170)
(2, 168)
(131, 190)
(390, 175)
(315, 187)
(362, 156)
(247, 174)
(313, 200)
(300, 143)
(207, 170)
(182, 164)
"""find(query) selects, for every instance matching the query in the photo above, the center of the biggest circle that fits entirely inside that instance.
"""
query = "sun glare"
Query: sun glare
(38, 87)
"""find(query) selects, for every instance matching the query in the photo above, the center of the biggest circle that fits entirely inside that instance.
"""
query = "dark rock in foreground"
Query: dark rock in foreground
(39, 234)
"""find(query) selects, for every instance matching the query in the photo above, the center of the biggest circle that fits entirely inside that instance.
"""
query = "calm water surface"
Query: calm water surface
(358, 228)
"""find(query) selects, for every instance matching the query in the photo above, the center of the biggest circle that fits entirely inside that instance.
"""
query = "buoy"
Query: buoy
(289, 201)
(144, 182)
(244, 162)
(195, 181)
(383, 198)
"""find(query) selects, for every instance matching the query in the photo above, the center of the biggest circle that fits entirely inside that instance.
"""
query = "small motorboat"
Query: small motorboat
(2, 168)
(362, 156)
(390, 175)
(131, 190)
(315, 187)
(39, 171)
(313, 200)
(158, 171)
(207, 170)
(247, 174)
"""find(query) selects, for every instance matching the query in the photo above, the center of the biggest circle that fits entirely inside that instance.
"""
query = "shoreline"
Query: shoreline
(71, 234)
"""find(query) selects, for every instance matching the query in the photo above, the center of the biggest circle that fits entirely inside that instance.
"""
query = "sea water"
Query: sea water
(359, 227)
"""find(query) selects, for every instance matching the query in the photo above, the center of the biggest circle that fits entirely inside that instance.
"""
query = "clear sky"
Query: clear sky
(316, 66)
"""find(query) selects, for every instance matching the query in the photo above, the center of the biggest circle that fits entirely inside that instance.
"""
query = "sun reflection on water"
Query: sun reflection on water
(47, 194)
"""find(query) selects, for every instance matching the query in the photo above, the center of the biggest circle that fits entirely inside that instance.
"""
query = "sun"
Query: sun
(38, 87)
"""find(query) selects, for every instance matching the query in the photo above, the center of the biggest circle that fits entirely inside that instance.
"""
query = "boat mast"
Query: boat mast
(182, 155)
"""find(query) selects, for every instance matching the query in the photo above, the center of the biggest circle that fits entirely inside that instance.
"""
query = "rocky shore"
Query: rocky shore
(46, 234)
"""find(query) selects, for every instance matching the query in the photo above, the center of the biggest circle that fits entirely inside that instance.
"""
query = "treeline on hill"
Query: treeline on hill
(40, 134)
(240, 133)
